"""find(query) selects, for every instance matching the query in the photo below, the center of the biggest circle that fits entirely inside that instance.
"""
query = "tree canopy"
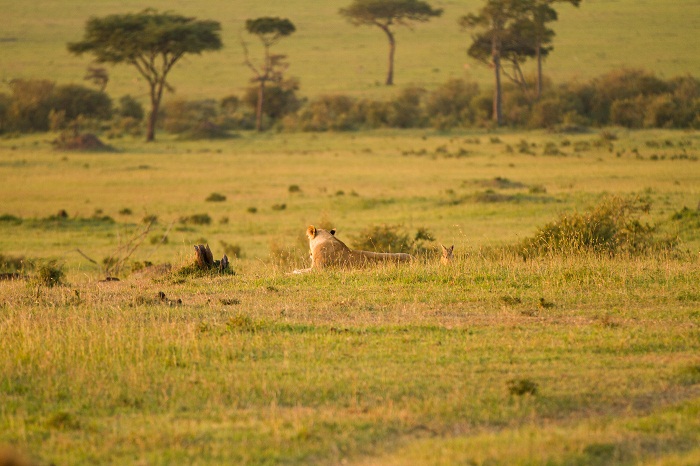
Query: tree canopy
(150, 41)
(269, 30)
(384, 14)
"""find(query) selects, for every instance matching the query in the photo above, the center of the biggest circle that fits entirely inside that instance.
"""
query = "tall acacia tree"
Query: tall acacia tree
(269, 30)
(384, 14)
(150, 41)
(494, 35)
(541, 13)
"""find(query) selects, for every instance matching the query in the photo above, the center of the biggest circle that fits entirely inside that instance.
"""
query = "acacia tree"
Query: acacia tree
(384, 14)
(494, 36)
(152, 42)
(541, 13)
(269, 30)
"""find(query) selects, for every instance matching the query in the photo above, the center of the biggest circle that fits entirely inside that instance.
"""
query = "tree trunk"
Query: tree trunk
(496, 57)
(156, 94)
(497, 100)
(392, 50)
(259, 108)
(152, 119)
(538, 48)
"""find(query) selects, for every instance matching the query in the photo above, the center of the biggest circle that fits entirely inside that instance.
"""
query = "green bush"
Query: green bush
(280, 99)
(329, 112)
(76, 101)
(130, 108)
(405, 111)
(383, 238)
(611, 227)
(450, 105)
(393, 238)
(196, 219)
(31, 104)
(49, 273)
(628, 112)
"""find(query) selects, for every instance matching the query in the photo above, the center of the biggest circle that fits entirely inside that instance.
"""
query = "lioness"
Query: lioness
(329, 251)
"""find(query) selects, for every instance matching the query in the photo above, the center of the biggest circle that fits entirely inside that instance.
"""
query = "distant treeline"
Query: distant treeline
(629, 97)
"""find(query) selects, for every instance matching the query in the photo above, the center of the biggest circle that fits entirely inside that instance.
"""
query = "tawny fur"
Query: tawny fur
(329, 251)
(447, 254)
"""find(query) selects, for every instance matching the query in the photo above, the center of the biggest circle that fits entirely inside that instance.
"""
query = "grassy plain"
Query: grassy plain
(490, 360)
(330, 55)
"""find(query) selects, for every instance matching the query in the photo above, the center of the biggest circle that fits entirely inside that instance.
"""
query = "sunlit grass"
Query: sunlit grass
(385, 365)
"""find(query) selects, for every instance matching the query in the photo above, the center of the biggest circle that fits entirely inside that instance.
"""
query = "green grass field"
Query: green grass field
(561, 359)
(330, 55)
(422, 364)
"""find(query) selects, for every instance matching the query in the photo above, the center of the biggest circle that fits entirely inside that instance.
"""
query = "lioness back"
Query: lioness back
(328, 251)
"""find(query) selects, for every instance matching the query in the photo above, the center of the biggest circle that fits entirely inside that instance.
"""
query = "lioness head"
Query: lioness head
(312, 232)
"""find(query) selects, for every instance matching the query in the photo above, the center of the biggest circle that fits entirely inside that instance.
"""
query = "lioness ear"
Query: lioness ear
(332, 231)
(311, 232)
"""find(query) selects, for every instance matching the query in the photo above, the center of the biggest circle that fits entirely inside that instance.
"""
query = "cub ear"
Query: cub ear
(311, 232)
(332, 232)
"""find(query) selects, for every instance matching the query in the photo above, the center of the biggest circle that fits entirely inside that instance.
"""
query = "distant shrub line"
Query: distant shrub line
(629, 98)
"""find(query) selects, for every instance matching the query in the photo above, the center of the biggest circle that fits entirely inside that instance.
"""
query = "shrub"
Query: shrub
(546, 113)
(49, 273)
(196, 219)
(628, 112)
(31, 103)
(280, 99)
(197, 119)
(11, 264)
(620, 85)
(520, 387)
(393, 238)
(330, 112)
(383, 238)
(611, 227)
(129, 107)
(231, 250)
(450, 104)
(215, 197)
(76, 100)
(405, 111)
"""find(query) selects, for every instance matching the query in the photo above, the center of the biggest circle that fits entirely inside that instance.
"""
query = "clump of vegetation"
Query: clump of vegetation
(294, 188)
(252, 210)
(148, 219)
(196, 219)
(393, 238)
(63, 420)
(49, 274)
(242, 323)
(12, 267)
(10, 219)
(215, 197)
(520, 387)
(279, 206)
(612, 227)
(231, 250)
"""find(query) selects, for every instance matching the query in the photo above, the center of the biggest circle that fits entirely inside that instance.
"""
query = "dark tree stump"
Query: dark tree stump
(205, 259)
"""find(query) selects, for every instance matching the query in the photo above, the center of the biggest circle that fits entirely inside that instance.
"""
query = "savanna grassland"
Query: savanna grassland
(329, 55)
(561, 358)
